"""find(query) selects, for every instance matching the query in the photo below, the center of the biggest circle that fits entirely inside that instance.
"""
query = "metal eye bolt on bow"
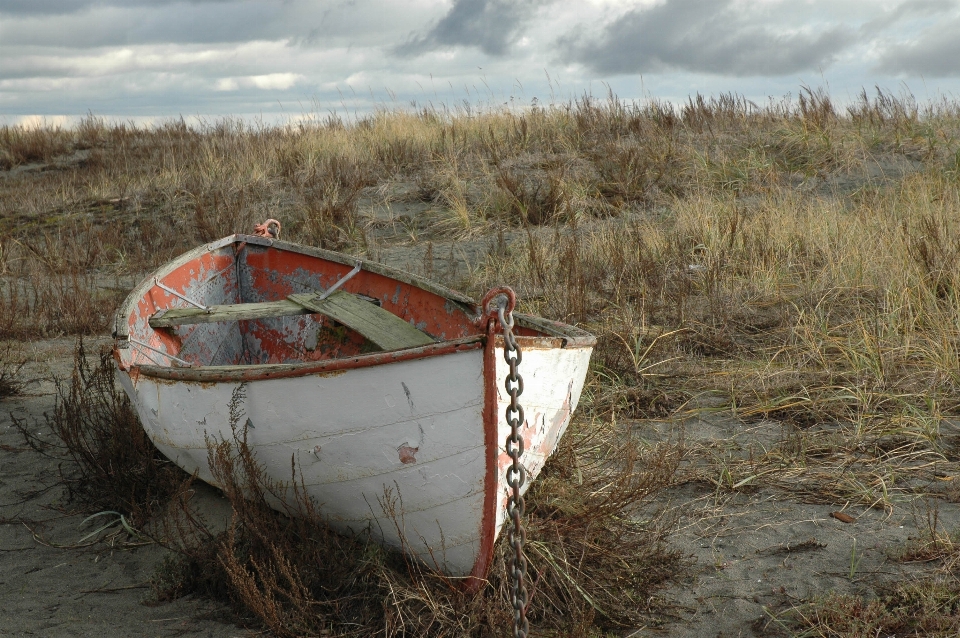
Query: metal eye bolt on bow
(504, 300)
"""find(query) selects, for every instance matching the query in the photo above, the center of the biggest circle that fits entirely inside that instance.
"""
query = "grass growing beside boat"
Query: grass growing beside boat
(113, 466)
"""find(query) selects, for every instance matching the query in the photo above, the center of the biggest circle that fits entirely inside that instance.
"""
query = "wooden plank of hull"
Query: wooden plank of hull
(413, 427)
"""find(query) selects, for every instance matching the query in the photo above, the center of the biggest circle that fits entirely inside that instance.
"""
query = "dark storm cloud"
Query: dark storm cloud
(490, 25)
(704, 36)
(934, 52)
(116, 24)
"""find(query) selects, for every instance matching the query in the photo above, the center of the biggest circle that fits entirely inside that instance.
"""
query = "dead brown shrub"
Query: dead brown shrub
(935, 248)
(917, 607)
(535, 197)
(114, 465)
(42, 306)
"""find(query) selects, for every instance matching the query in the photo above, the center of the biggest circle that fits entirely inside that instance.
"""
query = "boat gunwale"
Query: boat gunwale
(264, 371)
(129, 304)
(571, 335)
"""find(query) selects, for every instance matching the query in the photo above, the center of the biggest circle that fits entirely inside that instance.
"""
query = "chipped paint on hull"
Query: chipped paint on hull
(420, 427)
(552, 383)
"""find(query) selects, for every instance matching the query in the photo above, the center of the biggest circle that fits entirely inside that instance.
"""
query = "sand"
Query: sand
(759, 552)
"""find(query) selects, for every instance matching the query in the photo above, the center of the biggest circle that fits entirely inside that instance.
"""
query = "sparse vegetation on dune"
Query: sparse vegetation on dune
(795, 261)
(11, 363)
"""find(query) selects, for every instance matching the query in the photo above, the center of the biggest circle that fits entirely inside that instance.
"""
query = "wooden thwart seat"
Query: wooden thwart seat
(380, 326)
(233, 312)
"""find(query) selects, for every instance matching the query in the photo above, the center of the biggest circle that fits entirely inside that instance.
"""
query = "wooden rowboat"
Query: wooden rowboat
(367, 376)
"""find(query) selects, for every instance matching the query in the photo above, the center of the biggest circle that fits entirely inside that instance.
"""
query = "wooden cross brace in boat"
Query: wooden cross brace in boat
(380, 326)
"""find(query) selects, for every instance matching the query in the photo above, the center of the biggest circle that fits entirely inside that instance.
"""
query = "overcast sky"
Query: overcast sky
(285, 59)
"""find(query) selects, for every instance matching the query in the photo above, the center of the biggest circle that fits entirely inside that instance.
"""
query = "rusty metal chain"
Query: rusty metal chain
(516, 476)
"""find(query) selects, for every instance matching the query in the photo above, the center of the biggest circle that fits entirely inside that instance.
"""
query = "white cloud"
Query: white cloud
(227, 84)
(43, 121)
(274, 81)
(268, 82)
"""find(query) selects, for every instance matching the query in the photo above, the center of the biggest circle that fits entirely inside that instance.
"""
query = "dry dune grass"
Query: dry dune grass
(794, 261)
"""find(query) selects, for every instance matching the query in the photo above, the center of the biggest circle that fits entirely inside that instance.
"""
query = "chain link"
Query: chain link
(516, 476)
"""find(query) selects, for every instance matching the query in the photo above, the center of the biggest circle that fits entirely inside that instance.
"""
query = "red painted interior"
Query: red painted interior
(275, 271)
(272, 275)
